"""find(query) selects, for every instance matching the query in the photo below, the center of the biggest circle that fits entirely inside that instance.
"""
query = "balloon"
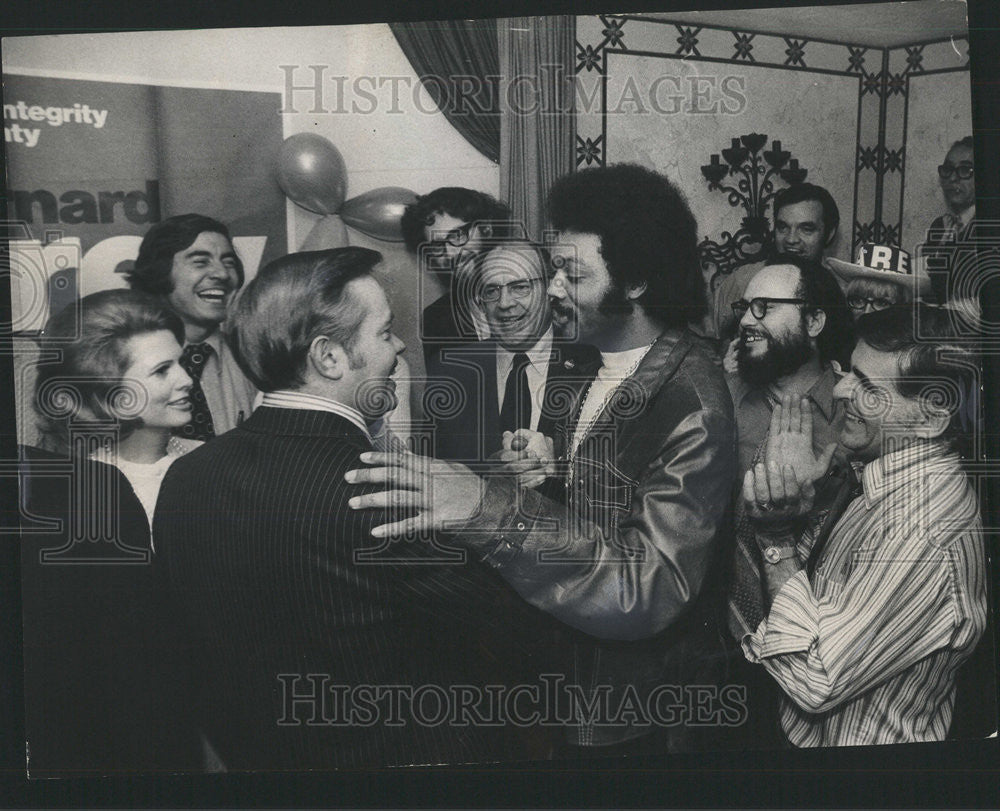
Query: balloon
(311, 172)
(377, 212)
(329, 232)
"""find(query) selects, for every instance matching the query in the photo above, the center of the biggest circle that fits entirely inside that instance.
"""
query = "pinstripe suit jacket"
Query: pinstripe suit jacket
(286, 594)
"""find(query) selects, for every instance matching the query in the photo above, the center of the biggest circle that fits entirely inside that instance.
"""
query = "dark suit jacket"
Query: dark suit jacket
(462, 403)
(945, 251)
(287, 594)
(444, 325)
(106, 688)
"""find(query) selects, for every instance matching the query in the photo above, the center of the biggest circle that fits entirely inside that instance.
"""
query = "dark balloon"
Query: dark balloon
(311, 172)
(377, 213)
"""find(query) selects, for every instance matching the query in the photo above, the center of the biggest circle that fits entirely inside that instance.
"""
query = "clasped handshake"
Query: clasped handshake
(781, 488)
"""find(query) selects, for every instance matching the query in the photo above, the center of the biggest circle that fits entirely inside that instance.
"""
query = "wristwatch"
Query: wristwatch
(776, 554)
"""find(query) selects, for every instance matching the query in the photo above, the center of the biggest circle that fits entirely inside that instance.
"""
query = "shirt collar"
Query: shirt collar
(821, 392)
(914, 460)
(214, 340)
(965, 216)
(288, 398)
(539, 356)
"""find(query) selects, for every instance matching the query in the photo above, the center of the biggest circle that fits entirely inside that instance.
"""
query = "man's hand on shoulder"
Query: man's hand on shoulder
(441, 493)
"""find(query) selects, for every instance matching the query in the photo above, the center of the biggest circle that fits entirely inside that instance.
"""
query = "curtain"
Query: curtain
(458, 64)
(538, 126)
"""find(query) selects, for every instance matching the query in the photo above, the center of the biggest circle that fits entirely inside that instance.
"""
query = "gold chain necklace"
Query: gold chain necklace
(575, 446)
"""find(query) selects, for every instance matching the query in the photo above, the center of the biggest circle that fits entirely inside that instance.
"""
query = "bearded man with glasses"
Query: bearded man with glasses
(794, 333)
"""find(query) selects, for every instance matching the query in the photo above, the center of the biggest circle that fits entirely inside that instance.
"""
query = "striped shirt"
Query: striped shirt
(867, 652)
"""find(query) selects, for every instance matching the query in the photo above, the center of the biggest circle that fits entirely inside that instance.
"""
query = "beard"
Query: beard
(615, 304)
(783, 356)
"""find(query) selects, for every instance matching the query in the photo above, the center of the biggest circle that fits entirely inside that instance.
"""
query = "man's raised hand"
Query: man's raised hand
(790, 441)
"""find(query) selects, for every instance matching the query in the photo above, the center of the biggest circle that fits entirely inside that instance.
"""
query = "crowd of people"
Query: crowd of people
(647, 517)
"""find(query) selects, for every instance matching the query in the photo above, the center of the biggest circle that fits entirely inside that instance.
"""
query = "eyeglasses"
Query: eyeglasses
(963, 171)
(519, 289)
(456, 237)
(759, 306)
(860, 303)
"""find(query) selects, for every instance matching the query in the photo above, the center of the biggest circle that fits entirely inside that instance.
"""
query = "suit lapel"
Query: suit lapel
(571, 368)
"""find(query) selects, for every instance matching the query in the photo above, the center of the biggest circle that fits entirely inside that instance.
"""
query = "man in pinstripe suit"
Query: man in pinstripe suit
(305, 632)
(873, 611)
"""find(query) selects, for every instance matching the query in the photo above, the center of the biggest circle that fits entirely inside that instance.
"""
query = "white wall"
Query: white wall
(403, 142)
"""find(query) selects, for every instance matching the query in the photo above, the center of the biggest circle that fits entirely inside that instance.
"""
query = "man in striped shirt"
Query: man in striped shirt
(873, 609)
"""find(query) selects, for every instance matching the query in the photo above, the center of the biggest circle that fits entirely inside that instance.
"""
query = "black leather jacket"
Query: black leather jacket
(629, 555)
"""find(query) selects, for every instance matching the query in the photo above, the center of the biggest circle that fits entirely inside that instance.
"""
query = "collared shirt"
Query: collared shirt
(287, 398)
(230, 396)
(753, 415)
(961, 219)
(537, 370)
(867, 651)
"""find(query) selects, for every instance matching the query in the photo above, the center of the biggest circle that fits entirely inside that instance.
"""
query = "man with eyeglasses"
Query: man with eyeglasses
(502, 381)
(447, 229)
(872, 610)
(954, 228)
(793, 328)
(806, 219)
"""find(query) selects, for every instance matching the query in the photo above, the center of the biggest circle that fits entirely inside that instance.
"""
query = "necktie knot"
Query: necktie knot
(194, 357)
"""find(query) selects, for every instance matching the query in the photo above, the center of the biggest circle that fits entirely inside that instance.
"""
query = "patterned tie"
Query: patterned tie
(849, 490)
(953, 225)
(516, 409)
(193, 360)
(746, 589)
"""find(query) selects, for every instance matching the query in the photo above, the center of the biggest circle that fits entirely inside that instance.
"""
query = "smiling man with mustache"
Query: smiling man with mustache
(806, 219)
(189, 261)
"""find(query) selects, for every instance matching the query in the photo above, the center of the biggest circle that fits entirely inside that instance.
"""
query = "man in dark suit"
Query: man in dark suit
(500, 385)
(950, 243)
(312, 639)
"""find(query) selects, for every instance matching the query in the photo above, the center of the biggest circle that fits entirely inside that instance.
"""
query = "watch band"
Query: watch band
(776, 554)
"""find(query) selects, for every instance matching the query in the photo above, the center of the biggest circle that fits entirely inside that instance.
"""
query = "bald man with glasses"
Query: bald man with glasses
(501, 383)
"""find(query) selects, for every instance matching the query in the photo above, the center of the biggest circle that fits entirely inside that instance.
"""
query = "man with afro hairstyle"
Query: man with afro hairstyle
(626, 549)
